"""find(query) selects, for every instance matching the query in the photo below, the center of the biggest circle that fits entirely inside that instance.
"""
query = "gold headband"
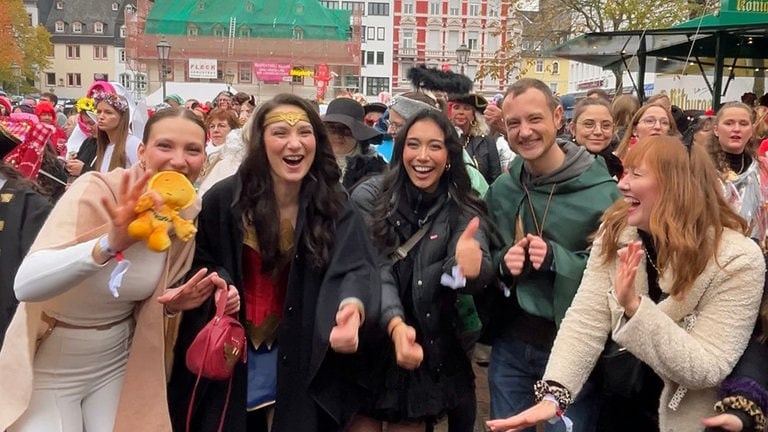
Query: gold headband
(290, 117)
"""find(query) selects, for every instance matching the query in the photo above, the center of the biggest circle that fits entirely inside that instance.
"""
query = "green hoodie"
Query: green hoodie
(583, 189)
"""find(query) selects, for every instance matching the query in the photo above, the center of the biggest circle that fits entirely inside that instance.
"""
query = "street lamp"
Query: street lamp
(16, 71)
(229, 78)
(163, 52)
(462, 56)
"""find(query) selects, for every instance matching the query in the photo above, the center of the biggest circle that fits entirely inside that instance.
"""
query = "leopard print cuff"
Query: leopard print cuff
(560, 393)
(740, 403)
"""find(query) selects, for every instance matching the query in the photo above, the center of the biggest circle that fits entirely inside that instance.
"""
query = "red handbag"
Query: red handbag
(215, 351)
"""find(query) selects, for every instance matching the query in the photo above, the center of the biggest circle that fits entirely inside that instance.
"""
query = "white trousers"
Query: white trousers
(78, 376)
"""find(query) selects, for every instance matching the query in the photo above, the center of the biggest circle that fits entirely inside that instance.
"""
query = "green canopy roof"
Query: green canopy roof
(262, 18)
(726, 19)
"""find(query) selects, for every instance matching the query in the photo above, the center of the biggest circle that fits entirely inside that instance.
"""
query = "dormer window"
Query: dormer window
(129, 9)
(218, 31)
(299, 9)
(60, 5)
(77, 27)
(98, 27)
(122, 31)
(244, 32)
(200, 5)
(249, 7)
(298, 33)
(192, 30)
(115, 6)
(59, 28)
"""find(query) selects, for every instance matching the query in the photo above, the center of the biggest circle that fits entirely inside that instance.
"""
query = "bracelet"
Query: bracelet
(104, 247)
(561, 394)
(740, 403)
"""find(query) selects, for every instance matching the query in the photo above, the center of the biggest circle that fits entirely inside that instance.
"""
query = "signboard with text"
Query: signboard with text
(203, 68)
(271, 72)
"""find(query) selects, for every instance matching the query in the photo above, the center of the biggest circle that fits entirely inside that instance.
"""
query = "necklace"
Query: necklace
(539, 228)
(648, 256)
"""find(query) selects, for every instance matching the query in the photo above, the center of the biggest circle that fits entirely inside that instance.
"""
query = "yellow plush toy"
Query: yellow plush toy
(177, 194)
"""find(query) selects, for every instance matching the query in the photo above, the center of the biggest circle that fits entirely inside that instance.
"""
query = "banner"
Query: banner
(271, 71)
(203, 68)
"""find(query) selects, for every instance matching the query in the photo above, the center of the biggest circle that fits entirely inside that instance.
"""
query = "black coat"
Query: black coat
(317, 389)
(22, 213)
(482, 149)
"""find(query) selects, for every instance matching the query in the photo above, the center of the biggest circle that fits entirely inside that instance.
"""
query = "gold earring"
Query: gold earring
(143, 165)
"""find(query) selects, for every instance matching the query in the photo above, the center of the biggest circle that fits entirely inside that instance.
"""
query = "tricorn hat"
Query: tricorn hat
(478, 102)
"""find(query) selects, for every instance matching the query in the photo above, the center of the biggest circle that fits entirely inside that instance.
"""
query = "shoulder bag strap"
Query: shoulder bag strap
(402, 251)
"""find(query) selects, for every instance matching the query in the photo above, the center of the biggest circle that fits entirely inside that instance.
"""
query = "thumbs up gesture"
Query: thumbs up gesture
(469, 256)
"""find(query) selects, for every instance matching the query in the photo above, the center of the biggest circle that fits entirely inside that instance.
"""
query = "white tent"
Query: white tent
(201, 91)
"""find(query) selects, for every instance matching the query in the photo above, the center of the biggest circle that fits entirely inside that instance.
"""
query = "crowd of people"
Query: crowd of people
(609, 251)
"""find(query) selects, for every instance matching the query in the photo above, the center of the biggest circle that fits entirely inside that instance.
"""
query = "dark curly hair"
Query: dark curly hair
(321, 187)
(459, 186)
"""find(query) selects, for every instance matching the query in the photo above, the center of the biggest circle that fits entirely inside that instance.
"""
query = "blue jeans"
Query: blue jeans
(514, 368)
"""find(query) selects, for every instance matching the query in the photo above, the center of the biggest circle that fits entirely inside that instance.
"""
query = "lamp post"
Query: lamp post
(16, 71)
(462, 56)
(229, 78)
(163, 52)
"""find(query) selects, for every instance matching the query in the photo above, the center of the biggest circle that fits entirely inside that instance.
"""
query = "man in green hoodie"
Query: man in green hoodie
(545, 209)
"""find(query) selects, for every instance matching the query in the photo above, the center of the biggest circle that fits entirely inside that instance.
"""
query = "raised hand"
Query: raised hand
(344, 337)
(534, 415)
(469, 256)
(629, 259)
(726, 422)
(408, 353)
(514, 259)
(537, 250)
(123, 212)
(193, 293)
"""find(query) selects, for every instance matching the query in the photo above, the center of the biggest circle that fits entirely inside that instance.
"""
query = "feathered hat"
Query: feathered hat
(434, 79)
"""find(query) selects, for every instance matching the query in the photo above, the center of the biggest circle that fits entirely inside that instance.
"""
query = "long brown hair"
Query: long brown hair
(623, 148)
(689, 215)
(119, 158)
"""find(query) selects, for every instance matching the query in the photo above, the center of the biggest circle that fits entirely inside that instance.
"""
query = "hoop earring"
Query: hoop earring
(447, 166)
(143, 165)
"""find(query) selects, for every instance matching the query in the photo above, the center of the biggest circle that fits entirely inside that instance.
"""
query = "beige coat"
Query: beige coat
(724, 300)
(79, 216)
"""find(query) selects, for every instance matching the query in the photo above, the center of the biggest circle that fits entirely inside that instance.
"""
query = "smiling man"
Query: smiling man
(545, 209)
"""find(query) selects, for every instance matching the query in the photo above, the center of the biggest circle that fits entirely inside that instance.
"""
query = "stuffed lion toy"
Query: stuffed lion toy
(150, 224)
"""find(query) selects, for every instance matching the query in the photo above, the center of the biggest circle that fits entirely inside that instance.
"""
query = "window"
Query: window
(370, 33)
(125, 80)
(379, 57)
(435, 7)
(369, 55)
(553, 87)
(381, 9)
(141, 82)
(77, 27)
(98, 27)
(453, 7)
(407, 41)
(51, 53)
(122, 31)
(50, 79)
(115, 6)
(526, 45)
(192, 30)
(472, 40)
(494, 8)
(73, 51)
(129, 9)
(200, 5)
(380, 33)
(330, 4)
(100, 52)
(218, 31)
(121, 55)
(245, 73)
(362, 58)
(249, 7)
(244, 32)
(59, 5)
(298, 33)
(352, 82)
(59, 27)
(376, 85)
(474, 8)
(353, 6)
(297, 80)
(407, 7)
(539, 66)
(453, 40)
(433, 39)
(73, 80)
(555, 68)
(404, 68)
(298, 9)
